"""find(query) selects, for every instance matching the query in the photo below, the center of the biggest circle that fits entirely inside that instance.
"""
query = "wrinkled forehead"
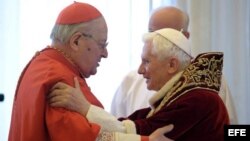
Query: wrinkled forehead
(147, 49)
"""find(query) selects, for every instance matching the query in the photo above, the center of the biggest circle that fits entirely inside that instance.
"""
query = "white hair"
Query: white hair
(163, 48)
(62, 33)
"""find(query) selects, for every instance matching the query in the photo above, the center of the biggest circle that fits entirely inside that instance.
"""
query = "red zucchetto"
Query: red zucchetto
(77, 13)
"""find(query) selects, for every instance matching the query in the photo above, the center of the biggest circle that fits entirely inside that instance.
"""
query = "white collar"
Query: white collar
(162, 92)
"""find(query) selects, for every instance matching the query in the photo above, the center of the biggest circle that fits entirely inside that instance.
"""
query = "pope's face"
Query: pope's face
(155, 71)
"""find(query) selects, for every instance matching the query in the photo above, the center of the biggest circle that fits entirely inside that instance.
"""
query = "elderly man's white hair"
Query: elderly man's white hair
(169, 42)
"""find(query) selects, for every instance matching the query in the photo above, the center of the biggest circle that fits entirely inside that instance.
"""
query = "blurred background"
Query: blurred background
(215, 25)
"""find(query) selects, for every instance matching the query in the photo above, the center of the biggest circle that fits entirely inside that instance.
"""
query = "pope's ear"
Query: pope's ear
(74, 41)
(173, 65)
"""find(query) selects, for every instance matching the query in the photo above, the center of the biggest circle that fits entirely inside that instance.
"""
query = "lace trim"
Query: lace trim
(106, 136)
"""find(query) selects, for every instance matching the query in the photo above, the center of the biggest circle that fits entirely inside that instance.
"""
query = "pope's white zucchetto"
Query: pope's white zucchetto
(177, 38)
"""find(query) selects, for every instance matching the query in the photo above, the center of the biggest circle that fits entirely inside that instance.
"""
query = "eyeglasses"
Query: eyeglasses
(102, 45)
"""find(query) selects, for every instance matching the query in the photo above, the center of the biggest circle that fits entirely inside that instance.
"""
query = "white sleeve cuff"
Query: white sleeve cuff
(107, 121)
(130, 126)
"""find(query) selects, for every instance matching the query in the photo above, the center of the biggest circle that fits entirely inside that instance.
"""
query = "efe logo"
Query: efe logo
(237, 132)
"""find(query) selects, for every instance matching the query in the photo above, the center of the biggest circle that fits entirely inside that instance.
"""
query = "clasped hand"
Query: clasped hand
(72, 98)
(66, 96)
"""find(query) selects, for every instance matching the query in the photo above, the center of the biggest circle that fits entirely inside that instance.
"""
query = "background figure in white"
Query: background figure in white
(132, 94)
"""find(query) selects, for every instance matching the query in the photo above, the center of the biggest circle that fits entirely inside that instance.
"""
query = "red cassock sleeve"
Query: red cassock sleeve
(65, 125)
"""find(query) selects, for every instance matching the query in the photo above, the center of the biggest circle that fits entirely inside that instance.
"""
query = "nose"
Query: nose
(141, 69)
(104, 53)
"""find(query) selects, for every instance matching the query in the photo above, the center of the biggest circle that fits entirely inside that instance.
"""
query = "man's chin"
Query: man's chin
(148, 86)
(87, 74)
(93, 72)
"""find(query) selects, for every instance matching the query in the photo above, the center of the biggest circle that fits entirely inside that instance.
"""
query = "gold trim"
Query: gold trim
(204, 72)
